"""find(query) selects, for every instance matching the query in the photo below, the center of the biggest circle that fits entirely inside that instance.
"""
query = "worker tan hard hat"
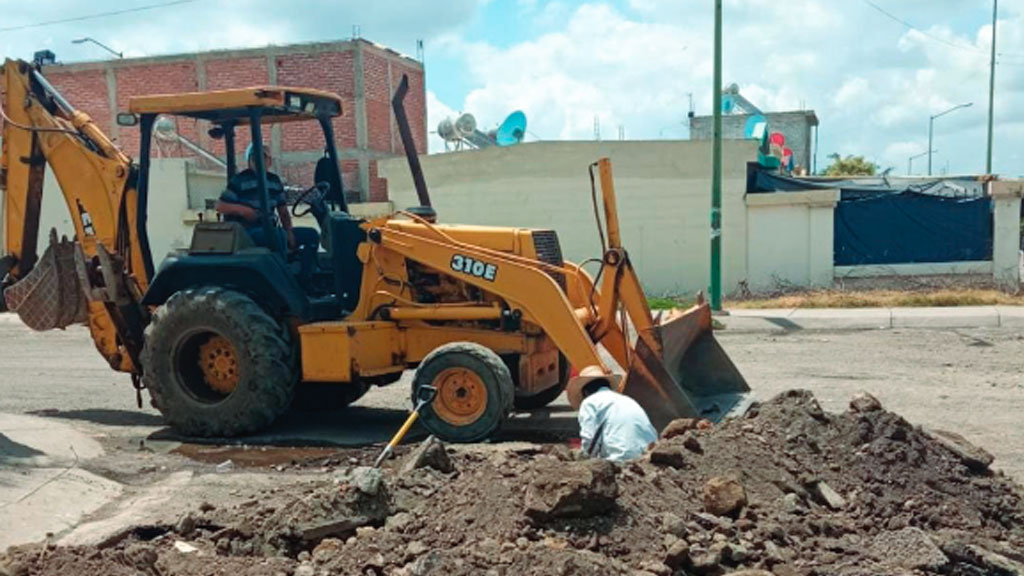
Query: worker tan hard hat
(589, 374)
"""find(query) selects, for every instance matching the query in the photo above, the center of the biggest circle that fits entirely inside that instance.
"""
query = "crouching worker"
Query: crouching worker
(612, 426)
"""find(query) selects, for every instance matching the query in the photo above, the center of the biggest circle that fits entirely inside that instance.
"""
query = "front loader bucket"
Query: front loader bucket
(690, 377)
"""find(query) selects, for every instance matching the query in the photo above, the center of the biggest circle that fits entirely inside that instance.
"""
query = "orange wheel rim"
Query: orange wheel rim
(218, 362)
(461, 396)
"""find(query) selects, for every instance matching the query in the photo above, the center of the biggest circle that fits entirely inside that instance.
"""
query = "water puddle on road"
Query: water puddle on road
(272, 456)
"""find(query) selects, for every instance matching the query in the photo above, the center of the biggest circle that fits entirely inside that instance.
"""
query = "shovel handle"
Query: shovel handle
(425, 395)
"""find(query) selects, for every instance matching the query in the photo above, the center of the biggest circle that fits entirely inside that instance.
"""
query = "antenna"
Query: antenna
(357, 31)
(463, 130)
(622, 132)
(419, 50)
(597, 127)
(690, 114)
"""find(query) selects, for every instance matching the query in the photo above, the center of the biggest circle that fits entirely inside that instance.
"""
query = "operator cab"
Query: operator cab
(224, 253)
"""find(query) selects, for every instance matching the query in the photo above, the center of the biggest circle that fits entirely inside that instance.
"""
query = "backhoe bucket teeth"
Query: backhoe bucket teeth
(691, 377)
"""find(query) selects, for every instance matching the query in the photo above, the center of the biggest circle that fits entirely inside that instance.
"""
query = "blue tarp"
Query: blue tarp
(909, 227)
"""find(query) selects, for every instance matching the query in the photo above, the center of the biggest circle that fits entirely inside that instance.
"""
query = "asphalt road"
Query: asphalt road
(966, 380)
(78, 459)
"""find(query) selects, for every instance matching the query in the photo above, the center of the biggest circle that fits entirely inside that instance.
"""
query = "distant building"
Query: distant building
(363, 73)
(795, 126)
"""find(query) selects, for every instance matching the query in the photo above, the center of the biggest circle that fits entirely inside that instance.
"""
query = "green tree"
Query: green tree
(850, 166)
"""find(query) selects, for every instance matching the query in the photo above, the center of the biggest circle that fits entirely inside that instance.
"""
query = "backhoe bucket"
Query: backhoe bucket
(50, 296)
(690, 377)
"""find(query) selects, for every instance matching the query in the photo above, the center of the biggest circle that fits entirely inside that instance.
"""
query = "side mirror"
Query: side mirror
(127, 119)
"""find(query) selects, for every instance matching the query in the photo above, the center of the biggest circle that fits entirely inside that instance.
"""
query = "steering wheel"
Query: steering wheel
(310, 197)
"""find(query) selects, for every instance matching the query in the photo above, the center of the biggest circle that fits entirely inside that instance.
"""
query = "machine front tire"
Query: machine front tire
(475, 392)
(216, 364)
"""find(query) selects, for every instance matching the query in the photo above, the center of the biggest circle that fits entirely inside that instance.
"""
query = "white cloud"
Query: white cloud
(872, 82)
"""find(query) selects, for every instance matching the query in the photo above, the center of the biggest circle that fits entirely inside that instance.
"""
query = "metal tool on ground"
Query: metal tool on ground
(426, 395)
(226, 332)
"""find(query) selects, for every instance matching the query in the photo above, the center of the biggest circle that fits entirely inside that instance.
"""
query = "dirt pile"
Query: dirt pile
(789, 489)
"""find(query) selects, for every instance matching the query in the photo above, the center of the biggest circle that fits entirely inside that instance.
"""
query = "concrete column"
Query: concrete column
(1006, 200)
(115, 130)
(789, 239)
(204, 138)
(362, 137)
(275, 130)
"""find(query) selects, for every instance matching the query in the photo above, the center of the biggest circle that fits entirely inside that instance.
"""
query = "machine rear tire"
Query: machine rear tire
(216, 364)
(475, 392)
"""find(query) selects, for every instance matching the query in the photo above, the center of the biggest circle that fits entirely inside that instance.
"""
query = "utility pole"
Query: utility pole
(992, 87)
(716, 170)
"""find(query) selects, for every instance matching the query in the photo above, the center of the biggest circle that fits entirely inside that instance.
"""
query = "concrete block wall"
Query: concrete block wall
(663, 190)
(364, 74)
(789, 239)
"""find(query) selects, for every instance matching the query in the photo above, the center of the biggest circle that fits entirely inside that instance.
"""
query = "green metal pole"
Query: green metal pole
(991, 87)
(716, 170)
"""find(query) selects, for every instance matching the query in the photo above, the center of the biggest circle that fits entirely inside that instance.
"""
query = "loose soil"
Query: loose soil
(801, 491)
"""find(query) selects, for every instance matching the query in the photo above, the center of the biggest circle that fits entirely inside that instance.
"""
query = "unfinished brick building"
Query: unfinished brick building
(364, 74)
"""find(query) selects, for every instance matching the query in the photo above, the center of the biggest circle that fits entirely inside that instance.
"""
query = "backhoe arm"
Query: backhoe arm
(40, 128)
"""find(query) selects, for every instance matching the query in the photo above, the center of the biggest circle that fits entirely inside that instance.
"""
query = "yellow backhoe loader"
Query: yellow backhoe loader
(224, 332)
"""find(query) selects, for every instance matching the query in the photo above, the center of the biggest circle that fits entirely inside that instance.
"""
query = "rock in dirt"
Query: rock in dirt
(750, 573)
(668, 454)
(678, 427)
(185, 547)
(975, 458)
(678, 554)
(724, 496)
(334, 511)
(864, 402)
(826, 495)
(573, 490)
(431, 453)
(142, 556)
(908, 548)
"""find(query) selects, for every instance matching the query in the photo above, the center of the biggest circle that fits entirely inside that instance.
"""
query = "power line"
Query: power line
(94, 16)
(938, 39)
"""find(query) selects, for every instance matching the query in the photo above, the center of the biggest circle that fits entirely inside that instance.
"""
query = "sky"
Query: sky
(873, 70)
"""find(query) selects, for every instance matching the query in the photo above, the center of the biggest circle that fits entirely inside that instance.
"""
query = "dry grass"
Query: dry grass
(884, 299)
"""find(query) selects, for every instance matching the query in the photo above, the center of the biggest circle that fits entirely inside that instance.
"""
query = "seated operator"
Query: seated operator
(241, 203)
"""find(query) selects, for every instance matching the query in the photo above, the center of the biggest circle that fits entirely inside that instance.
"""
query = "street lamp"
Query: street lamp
(910, 161)
(931, 123)
(98, 43)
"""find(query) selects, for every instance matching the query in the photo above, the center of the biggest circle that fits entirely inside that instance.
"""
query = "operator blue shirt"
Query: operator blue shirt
(244, 189)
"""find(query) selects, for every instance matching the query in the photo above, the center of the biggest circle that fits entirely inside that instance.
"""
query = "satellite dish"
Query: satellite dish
(512, 130)
(756, 127)
(164, 129)
(733, 88)
(466, 124)
(457, 129)
(728, 104)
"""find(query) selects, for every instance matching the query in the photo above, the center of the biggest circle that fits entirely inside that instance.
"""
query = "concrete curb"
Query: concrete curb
(844, 319)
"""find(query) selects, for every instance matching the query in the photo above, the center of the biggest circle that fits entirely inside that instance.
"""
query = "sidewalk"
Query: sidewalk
(789, 319)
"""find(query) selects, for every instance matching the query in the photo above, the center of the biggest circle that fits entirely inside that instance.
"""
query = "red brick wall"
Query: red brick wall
(155, 79)
(331, 70)
(91, 85)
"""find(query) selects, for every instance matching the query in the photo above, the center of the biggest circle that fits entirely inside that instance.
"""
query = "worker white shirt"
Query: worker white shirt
(614, 427)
